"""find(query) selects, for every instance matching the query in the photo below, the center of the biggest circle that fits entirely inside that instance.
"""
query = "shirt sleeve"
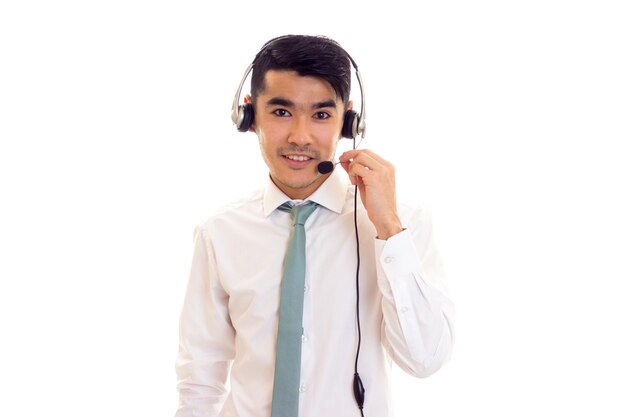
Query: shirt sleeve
(206, 344)
(418, 314)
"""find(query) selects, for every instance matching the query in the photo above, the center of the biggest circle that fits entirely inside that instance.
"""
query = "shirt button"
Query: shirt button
(404, 309)
(305, 338)
(305, 288)
(302, 389)
(388, 259)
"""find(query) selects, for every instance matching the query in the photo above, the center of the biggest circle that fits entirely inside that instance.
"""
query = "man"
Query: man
(231, 335)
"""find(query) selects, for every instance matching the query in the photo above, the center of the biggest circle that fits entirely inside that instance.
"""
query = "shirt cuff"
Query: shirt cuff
(397, 256)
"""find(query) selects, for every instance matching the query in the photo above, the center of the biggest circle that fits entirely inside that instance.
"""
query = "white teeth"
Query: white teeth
(298, 157)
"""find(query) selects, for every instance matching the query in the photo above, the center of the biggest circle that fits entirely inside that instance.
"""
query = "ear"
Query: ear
(350, 103)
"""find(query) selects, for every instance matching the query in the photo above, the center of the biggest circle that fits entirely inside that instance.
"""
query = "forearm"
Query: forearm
(206, 341)
(201, 386)
(418, 329)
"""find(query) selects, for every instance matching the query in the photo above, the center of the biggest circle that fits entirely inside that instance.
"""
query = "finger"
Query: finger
(355, 172)
(353, 153)
(364, 172)
(367, 161)
(348, 155)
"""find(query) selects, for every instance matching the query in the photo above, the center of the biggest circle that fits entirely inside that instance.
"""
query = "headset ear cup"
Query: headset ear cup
(248, 117)
(350, 123)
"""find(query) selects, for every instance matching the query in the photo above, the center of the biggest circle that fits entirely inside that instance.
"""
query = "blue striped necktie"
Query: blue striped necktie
(286, 395)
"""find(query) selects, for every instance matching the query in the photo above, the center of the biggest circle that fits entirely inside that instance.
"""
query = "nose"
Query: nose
(300, 132)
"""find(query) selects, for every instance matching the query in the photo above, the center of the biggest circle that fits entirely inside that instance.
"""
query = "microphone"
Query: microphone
(326, 167)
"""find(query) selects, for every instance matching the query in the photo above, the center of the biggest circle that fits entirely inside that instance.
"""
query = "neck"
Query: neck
(299, 191)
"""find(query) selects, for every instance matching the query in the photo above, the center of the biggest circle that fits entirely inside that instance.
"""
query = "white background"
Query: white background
(507, 119)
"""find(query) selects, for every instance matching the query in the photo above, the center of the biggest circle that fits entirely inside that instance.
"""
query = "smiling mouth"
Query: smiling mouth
(299, 158)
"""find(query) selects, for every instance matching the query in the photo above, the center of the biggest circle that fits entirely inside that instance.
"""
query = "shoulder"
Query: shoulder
(415, 215)
(238, 211)
(414, 211)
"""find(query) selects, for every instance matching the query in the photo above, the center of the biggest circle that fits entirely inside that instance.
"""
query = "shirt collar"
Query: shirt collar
(331, 194)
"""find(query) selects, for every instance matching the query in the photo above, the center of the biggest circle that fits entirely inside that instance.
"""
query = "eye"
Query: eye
(322, 115)
(281, 113)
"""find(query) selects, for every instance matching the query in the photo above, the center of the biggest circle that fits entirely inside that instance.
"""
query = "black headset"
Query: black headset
(353, 122)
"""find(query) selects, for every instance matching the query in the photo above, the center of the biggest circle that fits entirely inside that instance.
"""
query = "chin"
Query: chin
(296, 184)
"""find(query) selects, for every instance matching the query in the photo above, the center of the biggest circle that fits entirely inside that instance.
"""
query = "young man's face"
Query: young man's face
(298, 122)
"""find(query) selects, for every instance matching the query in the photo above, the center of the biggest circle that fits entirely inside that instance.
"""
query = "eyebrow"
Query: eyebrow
(280, 101)
(327, 103)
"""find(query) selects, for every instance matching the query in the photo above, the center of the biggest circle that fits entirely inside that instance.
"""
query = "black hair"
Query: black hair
(316, 56)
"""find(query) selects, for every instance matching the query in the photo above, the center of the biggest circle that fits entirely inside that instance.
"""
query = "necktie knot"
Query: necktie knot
(301, 212)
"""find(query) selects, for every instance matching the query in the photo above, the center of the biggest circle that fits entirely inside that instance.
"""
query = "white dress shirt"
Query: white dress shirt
(229, 320)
